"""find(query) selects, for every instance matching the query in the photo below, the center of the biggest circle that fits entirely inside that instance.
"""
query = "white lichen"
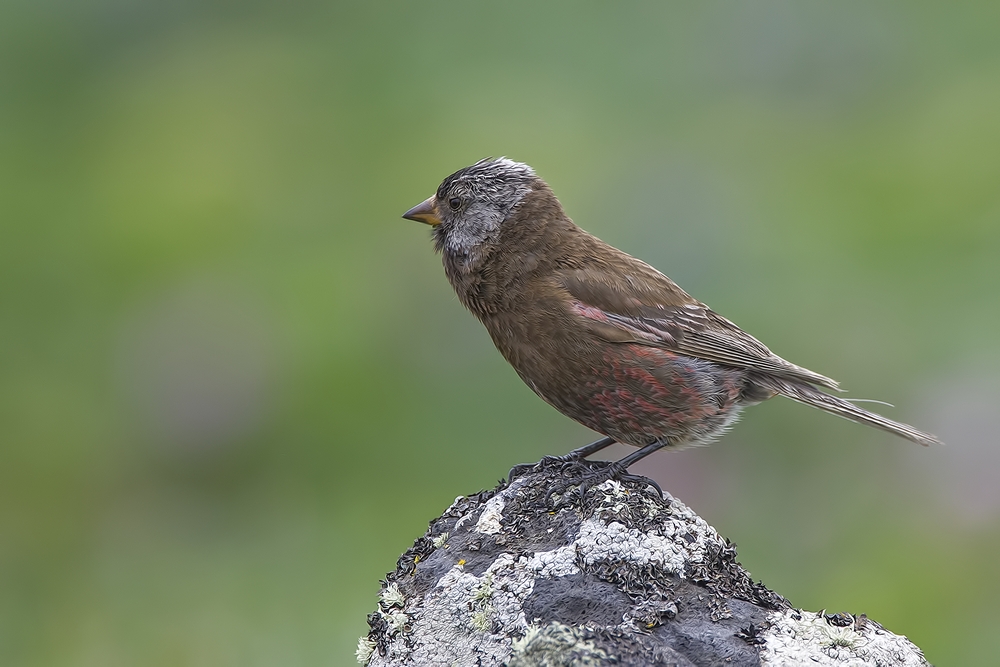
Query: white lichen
(459, 616)
(365, 649)
(556, 563)
(489, 520)
(529, 636)
(807, 638)
(616, 543)
(485, 590)
(391, 597)
(482, 620)
(397, 621)
(441, 541)
(556, 644)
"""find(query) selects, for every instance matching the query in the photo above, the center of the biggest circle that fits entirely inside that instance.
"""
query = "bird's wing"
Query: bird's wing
(644, 306)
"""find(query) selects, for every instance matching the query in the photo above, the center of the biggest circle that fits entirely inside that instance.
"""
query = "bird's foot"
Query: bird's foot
(574, 456)
(579, 481)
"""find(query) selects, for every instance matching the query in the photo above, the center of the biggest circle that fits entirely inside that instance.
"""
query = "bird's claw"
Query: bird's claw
(642, 479)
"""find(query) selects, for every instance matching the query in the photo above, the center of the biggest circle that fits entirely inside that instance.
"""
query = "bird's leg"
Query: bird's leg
(585, 451)
(576, 455)
(626, 461)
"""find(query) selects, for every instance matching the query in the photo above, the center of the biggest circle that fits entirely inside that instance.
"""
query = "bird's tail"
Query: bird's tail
(809, 395)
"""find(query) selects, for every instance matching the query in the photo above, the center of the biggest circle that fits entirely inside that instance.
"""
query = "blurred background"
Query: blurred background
(235, 385)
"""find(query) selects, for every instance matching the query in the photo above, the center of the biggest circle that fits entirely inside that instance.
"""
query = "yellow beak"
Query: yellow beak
(425, 212)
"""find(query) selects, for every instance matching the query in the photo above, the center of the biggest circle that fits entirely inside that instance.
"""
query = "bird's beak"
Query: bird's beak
(425, 212)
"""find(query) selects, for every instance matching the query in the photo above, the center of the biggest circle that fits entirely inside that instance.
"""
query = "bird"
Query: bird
(601, 336)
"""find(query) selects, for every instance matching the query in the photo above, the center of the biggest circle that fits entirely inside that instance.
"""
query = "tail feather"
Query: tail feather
(809, 395)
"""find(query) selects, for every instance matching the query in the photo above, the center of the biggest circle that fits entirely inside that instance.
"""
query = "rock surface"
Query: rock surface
(610, 575)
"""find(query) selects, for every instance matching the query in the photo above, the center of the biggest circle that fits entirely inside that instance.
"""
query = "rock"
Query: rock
(612, 574)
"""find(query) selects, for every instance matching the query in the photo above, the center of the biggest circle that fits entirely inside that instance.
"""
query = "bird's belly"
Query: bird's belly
(637, 394)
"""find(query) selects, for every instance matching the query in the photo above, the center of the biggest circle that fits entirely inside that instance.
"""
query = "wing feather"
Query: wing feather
(651, 309)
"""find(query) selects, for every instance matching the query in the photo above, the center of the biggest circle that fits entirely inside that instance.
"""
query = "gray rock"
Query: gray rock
(607, 575)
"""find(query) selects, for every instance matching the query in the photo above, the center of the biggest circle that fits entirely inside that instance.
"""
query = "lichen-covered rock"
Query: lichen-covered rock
(615, 575)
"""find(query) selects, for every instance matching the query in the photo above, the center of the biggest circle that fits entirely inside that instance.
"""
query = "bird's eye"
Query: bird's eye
(455, 203)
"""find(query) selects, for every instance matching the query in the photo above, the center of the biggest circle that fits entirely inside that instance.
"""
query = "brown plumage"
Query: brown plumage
(602, 336)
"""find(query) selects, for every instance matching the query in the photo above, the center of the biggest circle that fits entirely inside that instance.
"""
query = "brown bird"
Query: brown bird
(601, 336)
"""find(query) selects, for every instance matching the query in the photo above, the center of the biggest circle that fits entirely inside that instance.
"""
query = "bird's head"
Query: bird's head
(471, 205)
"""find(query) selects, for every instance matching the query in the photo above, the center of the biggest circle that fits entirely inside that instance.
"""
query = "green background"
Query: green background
(235, 385)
